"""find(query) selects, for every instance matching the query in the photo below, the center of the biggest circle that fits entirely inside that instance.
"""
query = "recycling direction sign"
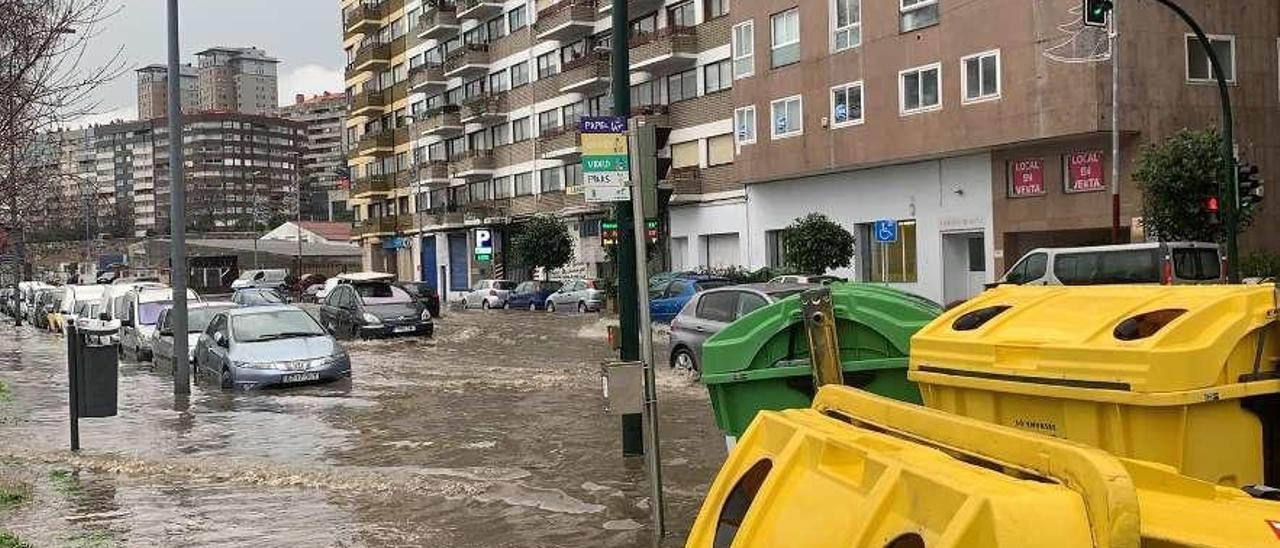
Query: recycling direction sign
(606, 162)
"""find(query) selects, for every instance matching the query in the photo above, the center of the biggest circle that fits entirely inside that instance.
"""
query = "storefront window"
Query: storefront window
(890, 262)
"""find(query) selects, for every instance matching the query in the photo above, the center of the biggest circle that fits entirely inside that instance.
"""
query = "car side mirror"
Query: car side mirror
(126, 322)
(220, 339)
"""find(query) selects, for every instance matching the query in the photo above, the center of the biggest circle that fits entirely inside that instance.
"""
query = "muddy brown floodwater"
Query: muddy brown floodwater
(492, 434)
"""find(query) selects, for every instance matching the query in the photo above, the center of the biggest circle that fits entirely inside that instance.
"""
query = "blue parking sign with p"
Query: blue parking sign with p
(886, 231)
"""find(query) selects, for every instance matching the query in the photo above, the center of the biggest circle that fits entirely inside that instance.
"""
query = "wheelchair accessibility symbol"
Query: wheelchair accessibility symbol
(886, 231)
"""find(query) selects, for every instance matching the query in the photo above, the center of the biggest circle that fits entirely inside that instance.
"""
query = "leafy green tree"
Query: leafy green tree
(814, 244)
(1178, 177)
(544, 242)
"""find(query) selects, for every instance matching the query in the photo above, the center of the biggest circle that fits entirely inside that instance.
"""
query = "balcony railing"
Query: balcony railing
(484, 108)
(433, 172)
(444, 120)
(379, 225)
(369, 55)
(427, 77)
(439, 22)
(372, 184)
(479, 9)
(668, 48)
(363, 19)
(375, 140)
(473, 164)
(583, 73)
(372, 99)
(471, 59)
(566, 20)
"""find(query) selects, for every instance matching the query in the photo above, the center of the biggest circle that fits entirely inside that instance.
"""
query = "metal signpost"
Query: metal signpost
(650, 415)
(606, 164)
(886, 232)
(484, 245)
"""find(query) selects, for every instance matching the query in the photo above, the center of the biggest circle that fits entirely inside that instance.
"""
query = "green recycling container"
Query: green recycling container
(761, 361)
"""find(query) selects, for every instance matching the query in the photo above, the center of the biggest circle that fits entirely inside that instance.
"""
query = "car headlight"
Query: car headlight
(371, 319)
(254, 365)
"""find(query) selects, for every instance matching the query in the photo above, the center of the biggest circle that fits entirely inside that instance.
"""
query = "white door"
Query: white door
(964, 265)
(679, 253)
(722, 250)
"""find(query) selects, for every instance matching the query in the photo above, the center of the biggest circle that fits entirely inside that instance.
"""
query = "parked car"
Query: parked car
(139, 315)
(1167, 263)
(488, 294)
(258, 296)
(665, 304)
(333, 282)
(271, 277)
(425, 293)
(531, 295)
(76, 295)
(377, 308)
(708, 312)
(261, 346)
(27, 300)
(824, 279)
(660, 280)
(198, 317)
(44, 307)
(583, 295)
(52, 310)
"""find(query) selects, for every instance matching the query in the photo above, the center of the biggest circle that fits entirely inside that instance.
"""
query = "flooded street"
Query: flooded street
(492, 434)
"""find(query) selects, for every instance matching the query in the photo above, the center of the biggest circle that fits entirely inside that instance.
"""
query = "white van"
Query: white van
(1167, 263)
(76, 296)
(138, 314)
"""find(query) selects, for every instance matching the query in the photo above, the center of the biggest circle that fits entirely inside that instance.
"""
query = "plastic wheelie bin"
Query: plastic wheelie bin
(1184, 376)
(761, 361)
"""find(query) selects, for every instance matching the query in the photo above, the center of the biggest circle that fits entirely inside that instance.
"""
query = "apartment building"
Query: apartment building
(153, 90)
(324, 156)
(979, 129)
(237, 80)
(464, 116)
(64, 159)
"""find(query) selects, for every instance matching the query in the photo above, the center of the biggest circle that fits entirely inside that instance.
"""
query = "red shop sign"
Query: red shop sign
(1084, 172)
(1026, 178)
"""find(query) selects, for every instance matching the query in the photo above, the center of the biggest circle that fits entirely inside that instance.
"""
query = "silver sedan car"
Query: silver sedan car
(582, 294)
(710, 311)
(260, 346)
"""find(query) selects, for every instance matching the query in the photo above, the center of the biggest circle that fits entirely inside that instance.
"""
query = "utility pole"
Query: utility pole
(620, 80)
(298, 274)
(257, 210)
(1115, 127)
(177, 214)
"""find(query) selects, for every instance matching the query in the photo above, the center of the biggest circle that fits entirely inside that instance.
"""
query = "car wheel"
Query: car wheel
(226, 379)
(682, 361)
(551, 306)
(582, 308)
(533, 306)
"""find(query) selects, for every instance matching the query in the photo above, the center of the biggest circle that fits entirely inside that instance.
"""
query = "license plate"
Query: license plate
(301, 377)
(403, 329)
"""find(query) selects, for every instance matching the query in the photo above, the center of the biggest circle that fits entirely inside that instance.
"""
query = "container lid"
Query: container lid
(1134, 338)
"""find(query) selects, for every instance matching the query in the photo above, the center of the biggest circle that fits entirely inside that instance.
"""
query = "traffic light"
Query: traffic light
(1095, 12)
(1211, 207)
(1250, 185)
(654, 161)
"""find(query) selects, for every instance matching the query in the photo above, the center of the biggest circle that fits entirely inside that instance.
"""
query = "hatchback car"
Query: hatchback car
(261, 346)
(531, 295)
(373, 309)
(138, 318)
(664, 305)
(583, 295)
(710, 311)
(258, 296)
(486, 294)
(198, 317)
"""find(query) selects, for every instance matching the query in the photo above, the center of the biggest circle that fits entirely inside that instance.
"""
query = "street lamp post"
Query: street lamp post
(257, 210)
(177, 218)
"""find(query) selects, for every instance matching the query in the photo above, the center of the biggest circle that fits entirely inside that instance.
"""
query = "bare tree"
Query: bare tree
(45, 83)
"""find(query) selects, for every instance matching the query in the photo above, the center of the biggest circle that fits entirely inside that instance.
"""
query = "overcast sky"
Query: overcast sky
(305, 35)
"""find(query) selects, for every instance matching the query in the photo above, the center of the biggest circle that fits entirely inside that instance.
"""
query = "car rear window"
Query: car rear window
(712, 284)
(718, 306)
(551, 286)
(1196, 264)
(381, 293)
(504, 285)
(1133, 266)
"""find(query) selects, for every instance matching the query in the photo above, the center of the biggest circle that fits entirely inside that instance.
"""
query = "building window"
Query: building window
(773, 248)
(524, 184)
(647, 93)
(547, 65)
(551, 179)
(785, 37)
(681, 15)
(720, 150)
(519, 74)
(479, 191)
(600, 105)
(846, 105)
(500, 135)
(570, 113)
(918, 89)
(981, 77)
(918, 14)
(495, 28)
(685, 155)
(501, 187)
(573, 52)
(517, 19)
(717, 76)
(520, 129)
(644, 25)
(744, 123)
(743, 45)
(573, 175)
(848, 24)
(892, 263)
(715, 8)
(682, 86)
(787, 115)
(548, 120)
(498, 82)
(1198, 67)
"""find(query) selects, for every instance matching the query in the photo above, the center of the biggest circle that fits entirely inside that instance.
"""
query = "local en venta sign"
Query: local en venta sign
(1084, 172)
(1026, 178)
(606, 163)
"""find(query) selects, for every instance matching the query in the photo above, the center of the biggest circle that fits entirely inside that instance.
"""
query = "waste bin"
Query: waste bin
(1185, 376)
(95, 367)
(761, 361)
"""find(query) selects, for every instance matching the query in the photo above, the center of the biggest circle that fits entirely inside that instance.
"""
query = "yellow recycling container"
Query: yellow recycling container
(859, 470)
(1184, 376)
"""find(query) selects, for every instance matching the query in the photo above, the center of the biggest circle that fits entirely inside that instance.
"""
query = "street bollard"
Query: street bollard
(93, 370)
(824, 343)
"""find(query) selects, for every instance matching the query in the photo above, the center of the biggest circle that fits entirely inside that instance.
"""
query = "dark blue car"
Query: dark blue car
(531, 295)
(666, 303)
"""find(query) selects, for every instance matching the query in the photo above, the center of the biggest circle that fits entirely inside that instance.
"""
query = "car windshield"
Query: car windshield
(148, 313)
(1200, 264)
(260, 297)
(276, 324)
(198, 318)
(381, 293)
